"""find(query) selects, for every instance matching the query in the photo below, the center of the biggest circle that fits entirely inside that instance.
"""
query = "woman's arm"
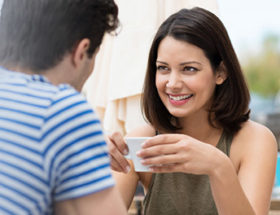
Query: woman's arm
(127, 184)
(126, 181)
(254, 153)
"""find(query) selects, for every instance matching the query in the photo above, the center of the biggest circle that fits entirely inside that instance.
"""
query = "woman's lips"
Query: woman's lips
(179, 99)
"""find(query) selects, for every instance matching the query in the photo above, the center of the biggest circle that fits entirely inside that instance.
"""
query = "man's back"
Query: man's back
(51, 145)
(53, 155)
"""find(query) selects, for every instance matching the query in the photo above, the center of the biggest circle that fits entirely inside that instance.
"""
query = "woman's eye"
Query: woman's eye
(162, 68)
(190, 69)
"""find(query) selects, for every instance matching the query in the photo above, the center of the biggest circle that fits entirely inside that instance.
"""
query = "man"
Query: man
(53, 156)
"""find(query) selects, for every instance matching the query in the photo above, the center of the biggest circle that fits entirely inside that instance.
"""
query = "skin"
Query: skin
(105, 202)
(241, 183)
(74, 69)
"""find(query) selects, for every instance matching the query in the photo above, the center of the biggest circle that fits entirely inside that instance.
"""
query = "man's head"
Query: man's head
(37, 34)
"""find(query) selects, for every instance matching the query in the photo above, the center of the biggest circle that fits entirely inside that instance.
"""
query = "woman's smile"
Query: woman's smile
(179, 99)
(185, 80)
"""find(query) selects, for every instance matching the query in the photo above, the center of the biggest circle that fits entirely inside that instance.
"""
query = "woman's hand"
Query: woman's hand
(117, 150)
(180, 153)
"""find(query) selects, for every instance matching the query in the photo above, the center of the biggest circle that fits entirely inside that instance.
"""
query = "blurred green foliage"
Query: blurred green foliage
(262, 71)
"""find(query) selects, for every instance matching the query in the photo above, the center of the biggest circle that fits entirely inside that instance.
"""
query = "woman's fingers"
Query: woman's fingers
(171, 157)
(115, 165)
(118, 160)
(163, 139)
(119, 142)
(178, 147)
(117, 149)
(158, 151)
(164, 159)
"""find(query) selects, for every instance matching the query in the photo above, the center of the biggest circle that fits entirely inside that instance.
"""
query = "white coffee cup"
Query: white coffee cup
(134, 145)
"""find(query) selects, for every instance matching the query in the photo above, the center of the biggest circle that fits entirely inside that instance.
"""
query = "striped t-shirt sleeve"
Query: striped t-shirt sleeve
(76, 156)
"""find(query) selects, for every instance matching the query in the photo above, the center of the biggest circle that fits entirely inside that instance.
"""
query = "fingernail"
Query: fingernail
(127, 169)
(125, 152)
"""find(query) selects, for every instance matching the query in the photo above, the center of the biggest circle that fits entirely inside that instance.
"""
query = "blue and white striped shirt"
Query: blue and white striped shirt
(51, 145)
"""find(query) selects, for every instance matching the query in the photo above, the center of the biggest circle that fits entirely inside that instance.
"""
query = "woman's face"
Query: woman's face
(185, 80)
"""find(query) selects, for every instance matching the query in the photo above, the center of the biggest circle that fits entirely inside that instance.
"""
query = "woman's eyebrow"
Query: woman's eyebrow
(190, 62)
(181, 64)
(161, 62)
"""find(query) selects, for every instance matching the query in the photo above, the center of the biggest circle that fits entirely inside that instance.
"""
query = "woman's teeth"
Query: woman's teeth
(179, 98)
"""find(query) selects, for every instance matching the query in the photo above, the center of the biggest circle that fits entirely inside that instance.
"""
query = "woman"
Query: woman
(207, 157)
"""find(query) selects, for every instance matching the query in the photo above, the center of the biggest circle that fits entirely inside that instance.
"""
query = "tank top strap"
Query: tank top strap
(228, 141)
(225, 141)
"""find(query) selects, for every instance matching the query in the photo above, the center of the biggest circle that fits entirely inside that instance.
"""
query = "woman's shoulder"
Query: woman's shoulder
(253, 138)
(251, 130)
(142, 131)
(252, 142)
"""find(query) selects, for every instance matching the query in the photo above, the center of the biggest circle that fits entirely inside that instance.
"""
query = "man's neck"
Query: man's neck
(59, 74)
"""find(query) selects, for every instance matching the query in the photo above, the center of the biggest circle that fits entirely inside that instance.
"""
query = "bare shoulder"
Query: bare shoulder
(253, 132)
(142, 131)
(253, 140)
(254, 156)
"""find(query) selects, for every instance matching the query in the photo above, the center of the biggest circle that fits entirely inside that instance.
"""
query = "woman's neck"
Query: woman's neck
(201, 129)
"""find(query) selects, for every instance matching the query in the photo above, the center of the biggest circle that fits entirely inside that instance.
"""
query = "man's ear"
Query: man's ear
(80, 52)
(221, 74)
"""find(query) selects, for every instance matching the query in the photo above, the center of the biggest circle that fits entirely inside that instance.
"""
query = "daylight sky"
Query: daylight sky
(248, 21)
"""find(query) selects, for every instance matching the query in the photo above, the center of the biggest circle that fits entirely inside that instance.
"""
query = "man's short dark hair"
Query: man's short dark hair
(36, 34)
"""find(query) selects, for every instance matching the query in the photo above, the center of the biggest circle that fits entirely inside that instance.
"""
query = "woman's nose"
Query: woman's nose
(174, 81)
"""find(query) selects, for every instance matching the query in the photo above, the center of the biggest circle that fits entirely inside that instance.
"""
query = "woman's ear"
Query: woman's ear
(221, 74)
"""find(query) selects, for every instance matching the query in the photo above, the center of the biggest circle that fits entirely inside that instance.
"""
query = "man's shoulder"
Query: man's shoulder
(38, 100)
(34, 85)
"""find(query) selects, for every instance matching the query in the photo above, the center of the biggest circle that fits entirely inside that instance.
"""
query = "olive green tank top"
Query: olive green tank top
(181, 193)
